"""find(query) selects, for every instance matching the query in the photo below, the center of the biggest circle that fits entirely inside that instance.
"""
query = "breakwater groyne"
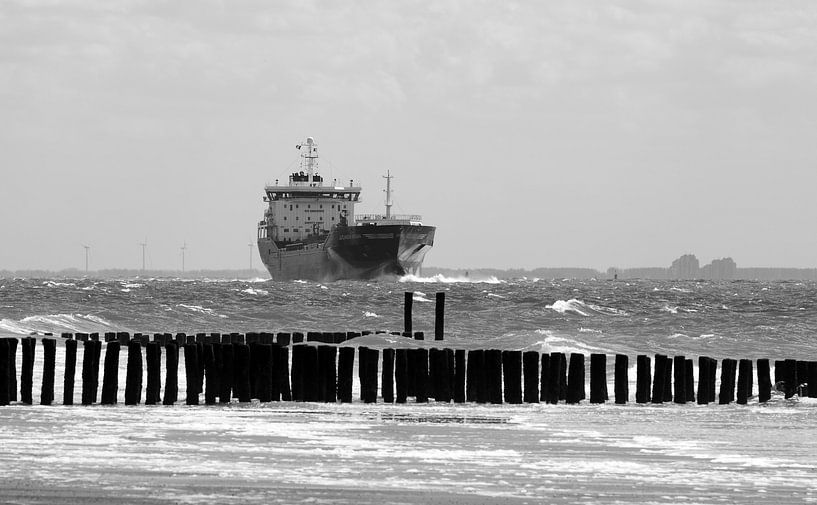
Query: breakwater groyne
(320, 367)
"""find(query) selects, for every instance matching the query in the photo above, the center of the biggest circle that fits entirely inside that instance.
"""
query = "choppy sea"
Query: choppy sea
(423, 453)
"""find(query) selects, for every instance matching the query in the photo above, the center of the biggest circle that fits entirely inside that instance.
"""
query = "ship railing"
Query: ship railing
(393, 217)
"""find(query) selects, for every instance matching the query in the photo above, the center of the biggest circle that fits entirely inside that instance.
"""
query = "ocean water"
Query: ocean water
(422, 453)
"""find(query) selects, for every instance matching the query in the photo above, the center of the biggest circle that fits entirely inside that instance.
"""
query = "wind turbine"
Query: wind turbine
(87, 250)
(184, 246)
(144, 245)
(250, 246)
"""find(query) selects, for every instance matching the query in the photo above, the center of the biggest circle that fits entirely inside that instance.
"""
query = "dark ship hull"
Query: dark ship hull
(350, 252)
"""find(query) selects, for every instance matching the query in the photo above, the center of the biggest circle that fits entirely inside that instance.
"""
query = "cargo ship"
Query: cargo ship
(310, 230)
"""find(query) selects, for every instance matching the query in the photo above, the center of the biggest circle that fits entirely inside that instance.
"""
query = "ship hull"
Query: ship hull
(354, 252)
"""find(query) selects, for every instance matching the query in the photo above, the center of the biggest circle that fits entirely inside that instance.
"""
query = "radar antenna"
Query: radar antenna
(388, 178)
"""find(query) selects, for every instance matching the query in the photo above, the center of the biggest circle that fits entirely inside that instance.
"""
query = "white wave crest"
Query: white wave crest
(201, 310)
(583, 309)
(439, 278)
(56, 323)
(251, 291)
(369, 314)
(671, 310)
(565, 344)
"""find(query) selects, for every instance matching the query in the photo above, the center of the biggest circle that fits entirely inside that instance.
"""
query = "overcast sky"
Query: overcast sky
(615, 133)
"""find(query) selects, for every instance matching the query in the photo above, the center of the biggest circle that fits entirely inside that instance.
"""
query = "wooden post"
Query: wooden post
(493, 372)
(680, 379)
(575, 378)
(49, 364)
(12, 369)
(327, 363)
(727, 390)
(789, 375)
(282, 365)
(530, 370)
(512, 375)
(438, 364)
(227, 372)
(460, 371)
(764, 381)
(689, 376)
(70, 372)
(812, 379)
(408, 301)
(439, 316)
(153, 358)
(421, 374)
(371, 366)
(621, 387)
(27, 370)
(191, 367)
(264, 352)
(242, 367)
(5, 382)
(171, 374)
(133, 378)
(110, 374)
(471, 376)
(643, 379)
(659, 376)
(713, 371)
(668, 380)
(544, 378)
(387, 376)
(703, 380)
(563, 376)
(556, 372)
(598, 378)
(744, 381)
(88, 372)
(346, 365)
(401, 375)
(211, 389)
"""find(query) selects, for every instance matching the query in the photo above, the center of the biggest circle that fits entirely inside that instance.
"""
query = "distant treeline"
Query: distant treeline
(123, 273)
(656, 273)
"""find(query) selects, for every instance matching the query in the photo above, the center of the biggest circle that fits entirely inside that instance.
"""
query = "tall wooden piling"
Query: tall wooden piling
(12, 369)
(153, 359)
(346, 364)
(598, 378)
(27, 370)
(493, 372)
(643, 379)
(408, 302)
(727, 390)
(438, 368)
(812, 379)
(70, 372)
(49, 364)
(512, 376)
(282, 372)
(575, 378)
(713, 371)
(789, 377)
(171, 374)
(621, 387)
(668, 380)
(401, 375)
(133, 377)
(110, 373)
(439, 316)
(191, 368)
(744, 381)
(680, 379)
(370, 373)
(530, 371)
(387, 376)
(263, 351)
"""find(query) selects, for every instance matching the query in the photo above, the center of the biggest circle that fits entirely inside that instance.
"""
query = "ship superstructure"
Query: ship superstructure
(310, 230)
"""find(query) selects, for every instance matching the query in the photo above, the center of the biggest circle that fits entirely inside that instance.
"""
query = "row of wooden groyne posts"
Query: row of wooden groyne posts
(312, 367)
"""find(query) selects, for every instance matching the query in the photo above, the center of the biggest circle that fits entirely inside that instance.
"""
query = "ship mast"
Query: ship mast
(388, 178)
(309, 155)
